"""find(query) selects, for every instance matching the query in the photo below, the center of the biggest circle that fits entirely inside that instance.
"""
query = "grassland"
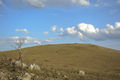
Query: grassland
(100, 62)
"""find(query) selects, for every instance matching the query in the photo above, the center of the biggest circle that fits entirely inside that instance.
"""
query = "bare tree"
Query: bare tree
(19, 42)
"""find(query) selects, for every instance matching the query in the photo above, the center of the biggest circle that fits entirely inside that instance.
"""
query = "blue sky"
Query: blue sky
(40, 16)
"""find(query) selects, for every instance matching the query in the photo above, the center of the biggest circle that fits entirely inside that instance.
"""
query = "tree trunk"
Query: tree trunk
(20, 57)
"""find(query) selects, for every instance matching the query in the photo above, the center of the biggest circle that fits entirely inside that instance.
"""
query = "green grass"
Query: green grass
(93, 59)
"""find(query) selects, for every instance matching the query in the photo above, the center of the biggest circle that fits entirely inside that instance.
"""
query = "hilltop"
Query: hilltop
(78, 56)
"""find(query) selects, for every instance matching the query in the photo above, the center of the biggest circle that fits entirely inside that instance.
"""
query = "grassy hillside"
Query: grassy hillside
(78, 56)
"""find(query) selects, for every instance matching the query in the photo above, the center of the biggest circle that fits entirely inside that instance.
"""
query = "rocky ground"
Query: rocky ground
(9, 70)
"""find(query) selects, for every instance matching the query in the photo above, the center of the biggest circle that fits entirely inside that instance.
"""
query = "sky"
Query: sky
(40, 22)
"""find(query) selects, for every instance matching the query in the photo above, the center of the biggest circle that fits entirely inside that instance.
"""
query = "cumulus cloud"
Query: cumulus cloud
(22, 30)
(84, 30)
(53, 28)
(45, 33)
(80, 35)
(71, 31)
(87, 28)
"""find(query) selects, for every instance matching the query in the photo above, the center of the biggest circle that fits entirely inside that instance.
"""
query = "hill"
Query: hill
(78, 56)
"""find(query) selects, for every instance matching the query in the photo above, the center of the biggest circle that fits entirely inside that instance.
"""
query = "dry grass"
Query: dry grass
(97, 61)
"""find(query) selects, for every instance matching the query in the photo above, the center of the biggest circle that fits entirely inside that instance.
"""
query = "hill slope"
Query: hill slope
(83, 56)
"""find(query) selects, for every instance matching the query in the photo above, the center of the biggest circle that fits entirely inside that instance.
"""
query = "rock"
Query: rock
(3, 76)
(33, 75)
(26, 79)
(24, 65)
(34, 67)
(26, 76)
(81, 73)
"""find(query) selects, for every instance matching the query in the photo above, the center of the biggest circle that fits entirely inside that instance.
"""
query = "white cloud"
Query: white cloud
(61, 30)
(81, 2)
(71, 30)
(24, 40)
(53, 28)
(51, 39)
(80, 35)
(87, 28)
(48, 3)
(117, 25)
(55, 3)
(22, 30)
(45, 33)
(17, 41)
(48, 40)
(37, 42)
(84, 30)
(35, 3)
(109, 26)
